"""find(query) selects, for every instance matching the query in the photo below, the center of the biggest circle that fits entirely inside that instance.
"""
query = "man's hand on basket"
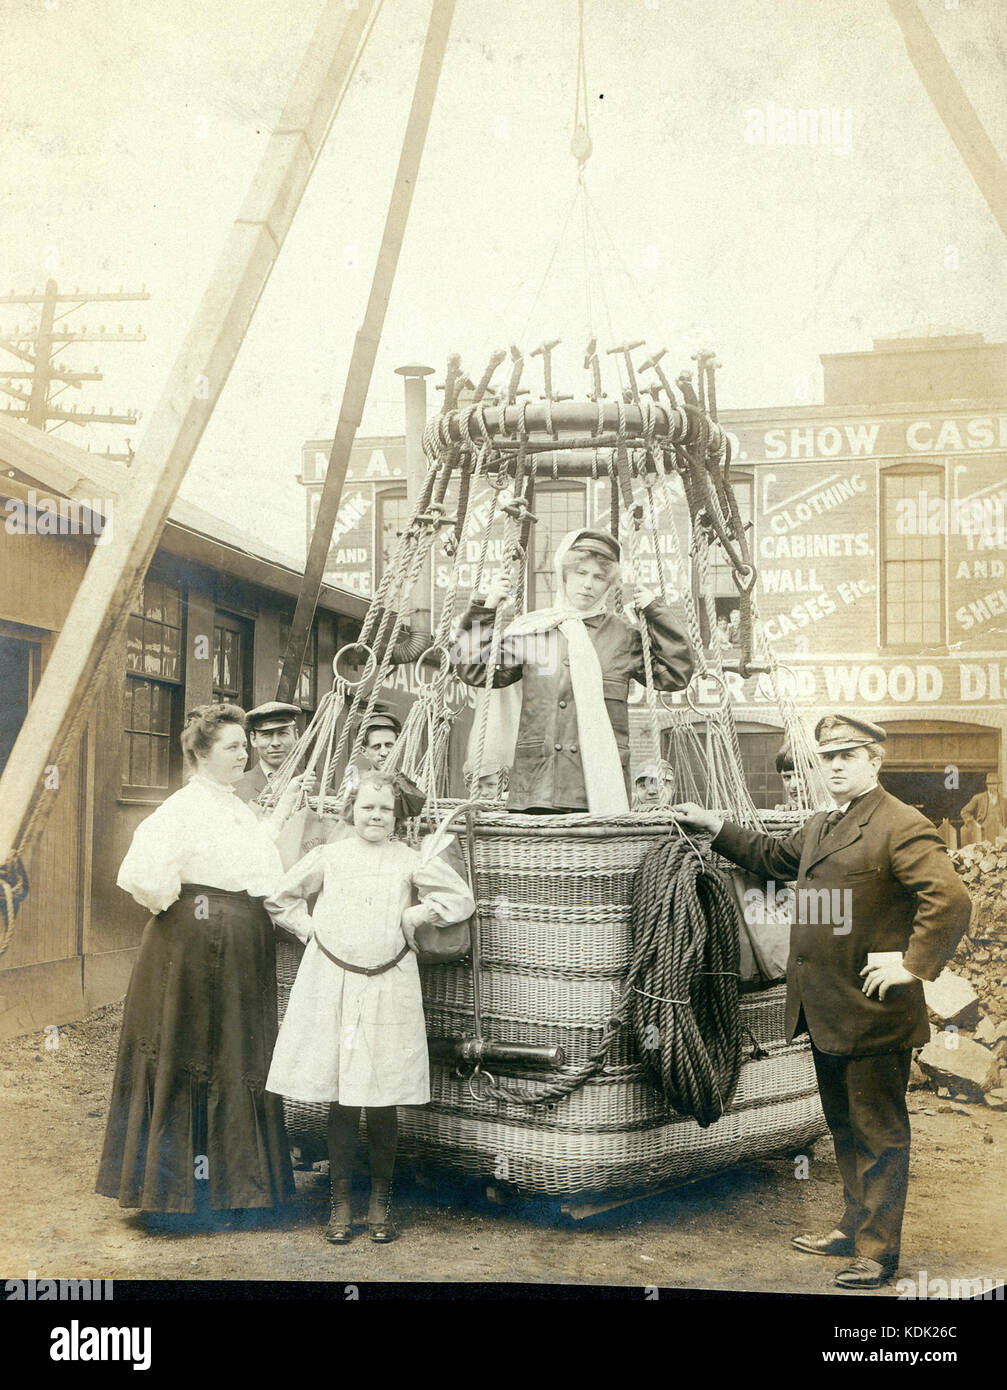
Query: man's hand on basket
(691, 816)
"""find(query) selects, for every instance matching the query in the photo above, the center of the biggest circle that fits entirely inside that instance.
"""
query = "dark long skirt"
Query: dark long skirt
(189, 1099)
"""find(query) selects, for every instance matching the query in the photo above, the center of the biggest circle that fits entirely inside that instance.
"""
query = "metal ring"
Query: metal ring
(708, 709)
(490, 1084)
(445, 668)
(370, 665)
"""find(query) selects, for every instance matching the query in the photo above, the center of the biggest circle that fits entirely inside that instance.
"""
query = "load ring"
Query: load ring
(370, 665)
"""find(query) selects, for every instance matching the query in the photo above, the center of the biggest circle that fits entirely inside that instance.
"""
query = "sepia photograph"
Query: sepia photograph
(503, 664)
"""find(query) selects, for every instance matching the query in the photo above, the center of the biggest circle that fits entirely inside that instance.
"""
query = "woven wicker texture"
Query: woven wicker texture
(554, 903)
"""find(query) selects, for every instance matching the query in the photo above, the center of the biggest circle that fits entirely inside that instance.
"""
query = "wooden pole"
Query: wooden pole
(98, 613)
(365, 347)
(953, 107)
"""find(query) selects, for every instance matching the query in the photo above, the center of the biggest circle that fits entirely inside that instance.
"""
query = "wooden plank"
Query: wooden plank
(954, 108)
(69, 683)
(365, 347)
(36, 995)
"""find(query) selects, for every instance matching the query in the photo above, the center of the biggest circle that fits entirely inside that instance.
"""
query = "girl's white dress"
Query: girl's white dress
(358, 1039)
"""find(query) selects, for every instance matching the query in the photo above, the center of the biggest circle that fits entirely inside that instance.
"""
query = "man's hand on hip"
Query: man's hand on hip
(882, 976)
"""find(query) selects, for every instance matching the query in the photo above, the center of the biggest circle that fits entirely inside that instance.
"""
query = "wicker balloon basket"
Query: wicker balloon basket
(554, 899)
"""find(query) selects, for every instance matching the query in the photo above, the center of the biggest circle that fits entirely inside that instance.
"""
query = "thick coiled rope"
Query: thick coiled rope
(683, 980)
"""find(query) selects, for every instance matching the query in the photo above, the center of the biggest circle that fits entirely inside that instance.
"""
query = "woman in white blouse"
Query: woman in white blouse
(189, 1099)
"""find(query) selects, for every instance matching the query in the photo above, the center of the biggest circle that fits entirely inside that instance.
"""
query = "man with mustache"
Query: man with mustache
(856, 986)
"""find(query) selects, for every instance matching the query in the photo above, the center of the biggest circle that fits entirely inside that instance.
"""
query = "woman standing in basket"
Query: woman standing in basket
(574, 662)
(189, 1099)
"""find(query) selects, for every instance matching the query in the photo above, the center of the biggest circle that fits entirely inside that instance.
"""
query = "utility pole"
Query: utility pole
(37, 349)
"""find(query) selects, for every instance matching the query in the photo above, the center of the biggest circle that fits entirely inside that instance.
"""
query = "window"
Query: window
(153, 694)
(304, 695)
(392, 513)
(20, 660)
(559, 510)
(232, 651)
(912, 573)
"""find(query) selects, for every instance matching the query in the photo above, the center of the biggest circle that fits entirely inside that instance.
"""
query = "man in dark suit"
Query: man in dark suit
(272, 733)
(878, 909)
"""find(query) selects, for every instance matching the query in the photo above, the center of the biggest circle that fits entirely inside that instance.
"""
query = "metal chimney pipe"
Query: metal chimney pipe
(415, 387)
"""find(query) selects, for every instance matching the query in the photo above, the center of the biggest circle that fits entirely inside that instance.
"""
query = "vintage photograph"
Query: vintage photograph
(503, 653)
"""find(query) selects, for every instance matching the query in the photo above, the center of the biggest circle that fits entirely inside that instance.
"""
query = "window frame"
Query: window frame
(142, 792)
(226, 621)
(921, 472)
(572, 488)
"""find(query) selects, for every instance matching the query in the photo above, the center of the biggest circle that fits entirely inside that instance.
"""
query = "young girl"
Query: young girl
(353, 1033)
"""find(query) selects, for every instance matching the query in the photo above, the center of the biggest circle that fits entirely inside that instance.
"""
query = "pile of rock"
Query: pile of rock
(982, 956)
(966, 1057)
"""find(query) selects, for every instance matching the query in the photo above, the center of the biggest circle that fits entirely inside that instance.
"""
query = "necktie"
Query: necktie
(833, 818)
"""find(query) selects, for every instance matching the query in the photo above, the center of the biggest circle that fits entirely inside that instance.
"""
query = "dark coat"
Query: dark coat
(547, 769)
(250, 783)
(905, 896)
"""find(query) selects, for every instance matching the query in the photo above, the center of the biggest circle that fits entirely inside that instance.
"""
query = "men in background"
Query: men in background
(788, 776)
(894, 911)
(381, 732)
(734, 628)
(983, 817)
(654, 785)
(272, 733)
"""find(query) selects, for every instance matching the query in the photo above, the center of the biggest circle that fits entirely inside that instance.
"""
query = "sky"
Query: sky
(134, 131)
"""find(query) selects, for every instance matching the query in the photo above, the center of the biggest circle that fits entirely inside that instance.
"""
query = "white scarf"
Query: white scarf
(603, 775)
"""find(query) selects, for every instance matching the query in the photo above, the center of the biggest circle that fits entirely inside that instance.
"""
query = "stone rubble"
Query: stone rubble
(966, 1057)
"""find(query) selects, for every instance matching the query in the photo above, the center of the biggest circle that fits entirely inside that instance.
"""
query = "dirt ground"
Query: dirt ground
(730, 1232)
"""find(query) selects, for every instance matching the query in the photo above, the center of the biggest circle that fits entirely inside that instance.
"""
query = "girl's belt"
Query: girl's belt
(363, 969)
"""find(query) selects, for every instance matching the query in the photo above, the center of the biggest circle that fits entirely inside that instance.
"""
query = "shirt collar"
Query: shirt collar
(854, 799)
(210, 784)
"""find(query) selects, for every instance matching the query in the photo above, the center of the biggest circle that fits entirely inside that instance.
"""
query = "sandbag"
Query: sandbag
(441, 945)
(765, 924)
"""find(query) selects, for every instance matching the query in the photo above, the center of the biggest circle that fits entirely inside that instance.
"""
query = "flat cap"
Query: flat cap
(382, 720)
(272, 715)
(597, 543)
(834, 733)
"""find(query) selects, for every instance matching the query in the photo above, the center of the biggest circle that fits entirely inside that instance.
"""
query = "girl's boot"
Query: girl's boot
(339, 1231)
(382, 1138)
(342, 1134)
(380, 1224)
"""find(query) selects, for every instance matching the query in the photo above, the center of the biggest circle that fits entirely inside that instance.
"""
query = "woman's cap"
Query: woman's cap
(598, 543)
